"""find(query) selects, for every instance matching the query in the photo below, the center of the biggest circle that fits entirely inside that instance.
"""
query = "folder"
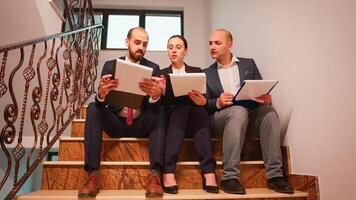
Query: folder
(186, 82)
(128, 92)
(250, 89)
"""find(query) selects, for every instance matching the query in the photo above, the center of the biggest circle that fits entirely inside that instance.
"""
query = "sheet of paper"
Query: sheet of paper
(251, 89)
(184, 83)
(129, 75)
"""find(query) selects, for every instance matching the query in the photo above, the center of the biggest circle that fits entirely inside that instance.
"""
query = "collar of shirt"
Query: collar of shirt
(128, 60)
(178, 71)
(233, 62)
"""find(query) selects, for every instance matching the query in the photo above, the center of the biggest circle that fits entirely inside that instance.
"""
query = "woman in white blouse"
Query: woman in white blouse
(186, 117)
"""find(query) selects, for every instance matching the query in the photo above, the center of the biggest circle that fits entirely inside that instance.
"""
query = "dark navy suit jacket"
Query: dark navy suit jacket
(107, 69)
(248, 71)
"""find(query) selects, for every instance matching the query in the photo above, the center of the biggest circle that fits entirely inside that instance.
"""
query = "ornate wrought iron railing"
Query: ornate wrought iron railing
(43, 85)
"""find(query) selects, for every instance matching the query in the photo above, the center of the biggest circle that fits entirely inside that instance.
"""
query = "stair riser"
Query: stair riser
(70, 150)
(134, 177)
(251, 150)
(126, 151)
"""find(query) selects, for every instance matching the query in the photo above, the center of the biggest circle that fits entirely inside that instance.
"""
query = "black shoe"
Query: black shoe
(280, 184)
(171, 189)
(232, 186)
(209, 188)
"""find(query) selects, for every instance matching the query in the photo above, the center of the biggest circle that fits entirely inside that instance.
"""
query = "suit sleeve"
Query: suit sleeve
(210, 106)
(106, 70)
(256, 72)
(156, 72)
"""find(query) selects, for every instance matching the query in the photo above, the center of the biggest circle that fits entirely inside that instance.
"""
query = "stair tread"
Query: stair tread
(121, 139)
(183, 194)
(106, 163)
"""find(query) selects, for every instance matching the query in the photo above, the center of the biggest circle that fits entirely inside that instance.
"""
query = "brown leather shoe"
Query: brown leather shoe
(90, 188)
(153, 186)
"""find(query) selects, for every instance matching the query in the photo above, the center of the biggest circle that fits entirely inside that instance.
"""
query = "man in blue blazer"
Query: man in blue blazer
(148, 121)
(224, 77)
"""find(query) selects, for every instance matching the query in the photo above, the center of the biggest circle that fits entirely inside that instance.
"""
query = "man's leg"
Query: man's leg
(232, 123)
(266, 119)
(98, 119)
(152, 124)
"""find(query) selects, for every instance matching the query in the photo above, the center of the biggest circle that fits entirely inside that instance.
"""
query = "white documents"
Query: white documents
(129, 75)
(186, 82)
(251, 89)
(128, 92)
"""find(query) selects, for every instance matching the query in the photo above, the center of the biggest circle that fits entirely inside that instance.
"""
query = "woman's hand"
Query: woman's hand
(197, 98)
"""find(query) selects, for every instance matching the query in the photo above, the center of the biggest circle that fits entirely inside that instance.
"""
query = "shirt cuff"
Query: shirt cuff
(99, 99)
(217, 105)
(153, 100)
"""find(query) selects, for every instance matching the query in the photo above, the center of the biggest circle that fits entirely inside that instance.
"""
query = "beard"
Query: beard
(135, 55)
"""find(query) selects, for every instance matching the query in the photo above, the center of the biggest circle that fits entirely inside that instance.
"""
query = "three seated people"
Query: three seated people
(166, 120)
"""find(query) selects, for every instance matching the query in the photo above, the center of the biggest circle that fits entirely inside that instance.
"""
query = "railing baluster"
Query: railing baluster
(3, 87)
(36, 109)
(64, 79)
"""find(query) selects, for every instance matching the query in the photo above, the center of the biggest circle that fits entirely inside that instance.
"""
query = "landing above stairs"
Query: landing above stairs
(252, 193)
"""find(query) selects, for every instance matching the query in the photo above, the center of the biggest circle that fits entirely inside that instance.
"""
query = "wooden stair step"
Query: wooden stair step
(251, 150)
(60, 175)
(136, 149)
(252, 193)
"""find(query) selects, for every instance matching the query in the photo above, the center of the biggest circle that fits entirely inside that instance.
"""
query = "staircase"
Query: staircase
(125, 165)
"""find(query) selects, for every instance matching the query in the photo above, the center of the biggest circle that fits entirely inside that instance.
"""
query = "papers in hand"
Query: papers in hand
(184, 83)
(250, 89)
(128, 92)
(129, 75)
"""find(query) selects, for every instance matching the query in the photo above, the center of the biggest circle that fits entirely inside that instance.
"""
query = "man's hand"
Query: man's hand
(161, 82)
(225, 99)
(265, 99)
(106, 85)
(149, 87)
(197, 98)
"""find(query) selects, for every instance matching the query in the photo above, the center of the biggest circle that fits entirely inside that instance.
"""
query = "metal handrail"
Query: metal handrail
(59, 78)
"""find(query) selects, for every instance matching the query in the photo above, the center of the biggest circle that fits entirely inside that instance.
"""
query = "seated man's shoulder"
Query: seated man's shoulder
(149, 63)
(245, 60)
(108, 66)
(195, 69)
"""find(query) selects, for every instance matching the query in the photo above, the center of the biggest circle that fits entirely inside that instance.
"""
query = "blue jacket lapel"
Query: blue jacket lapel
(216, 79)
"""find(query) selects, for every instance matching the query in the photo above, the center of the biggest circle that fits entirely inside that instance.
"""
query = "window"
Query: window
(160, 25)
(118, 25)
(159, 36)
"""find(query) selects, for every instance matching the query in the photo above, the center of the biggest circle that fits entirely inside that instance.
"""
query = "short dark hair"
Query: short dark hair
(129, 34)
(180, 37)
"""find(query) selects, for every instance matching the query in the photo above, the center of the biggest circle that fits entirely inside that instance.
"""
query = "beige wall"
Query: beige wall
(309, 46)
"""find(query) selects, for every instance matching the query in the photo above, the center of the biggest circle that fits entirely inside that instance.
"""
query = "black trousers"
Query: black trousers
(150, 124)
(191, 121)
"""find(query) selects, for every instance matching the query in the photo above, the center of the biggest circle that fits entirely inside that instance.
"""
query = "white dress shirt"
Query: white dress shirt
(229, 76)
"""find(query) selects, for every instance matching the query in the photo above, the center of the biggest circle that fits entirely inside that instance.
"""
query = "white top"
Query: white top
(179, 71)
(229, 76)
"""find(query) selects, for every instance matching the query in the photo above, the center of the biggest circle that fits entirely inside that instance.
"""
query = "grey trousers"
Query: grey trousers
(232, 123)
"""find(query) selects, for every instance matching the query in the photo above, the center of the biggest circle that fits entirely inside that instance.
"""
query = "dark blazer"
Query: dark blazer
(169, 98)
(248, 71)
(107, 69)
